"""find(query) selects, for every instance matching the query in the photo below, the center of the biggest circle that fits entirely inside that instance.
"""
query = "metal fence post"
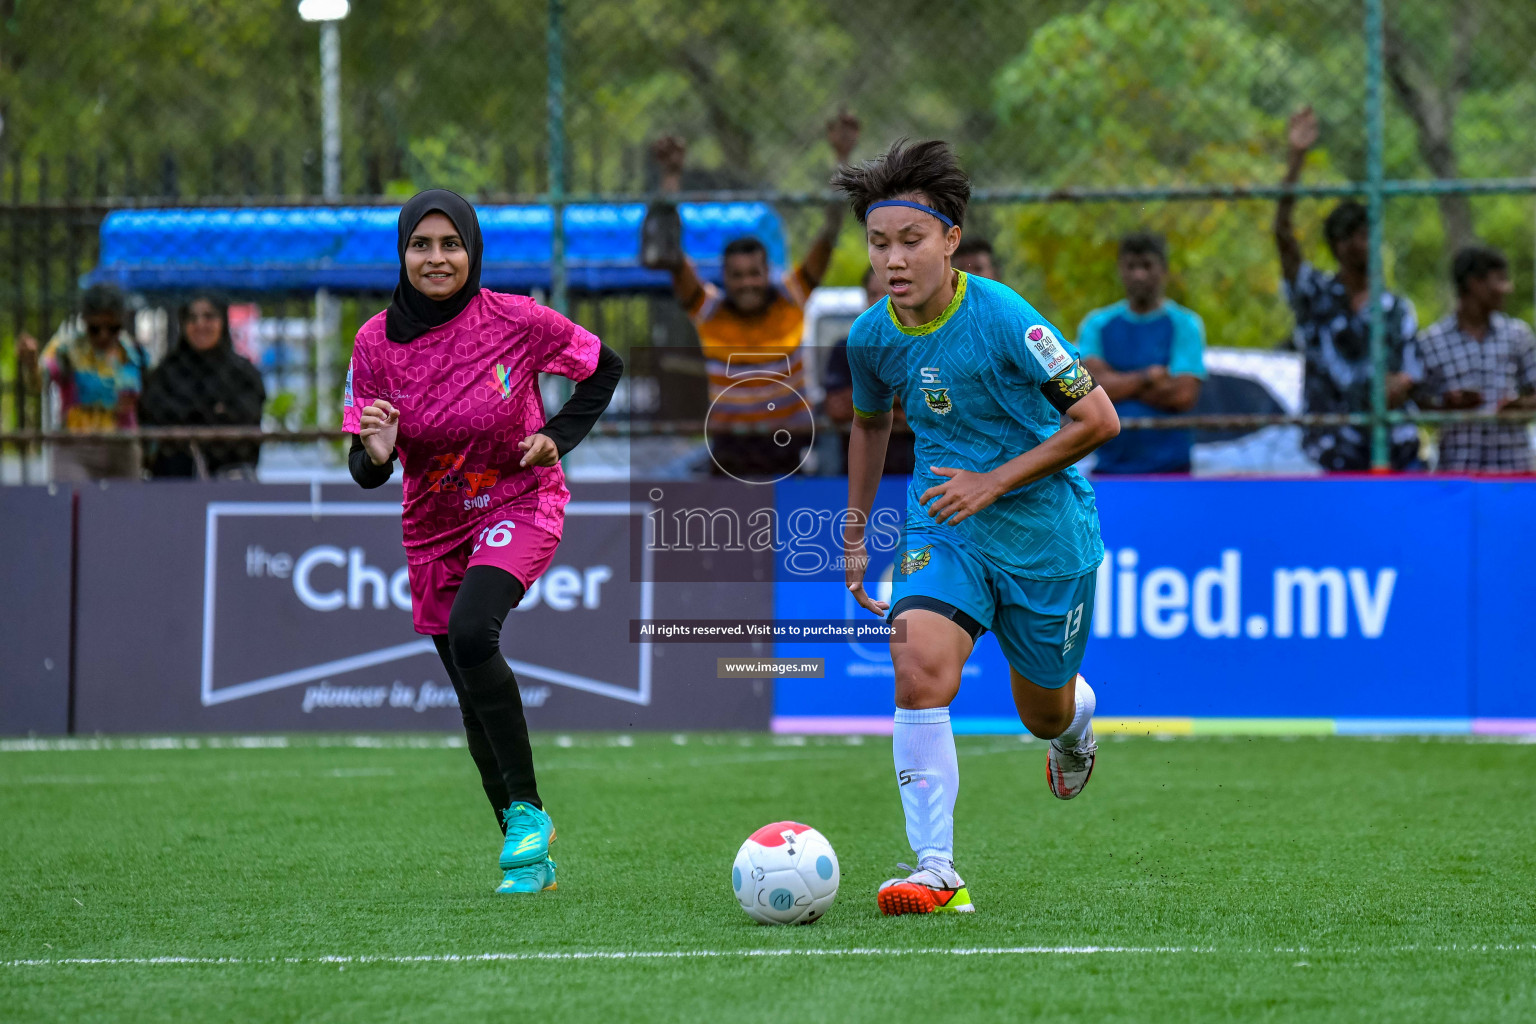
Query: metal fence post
(1380, 448)
(556, 128)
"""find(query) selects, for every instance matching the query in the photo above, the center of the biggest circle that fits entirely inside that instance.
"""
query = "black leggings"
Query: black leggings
(494, 722)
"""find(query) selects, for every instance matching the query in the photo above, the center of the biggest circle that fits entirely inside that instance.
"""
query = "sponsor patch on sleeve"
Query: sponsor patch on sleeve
(1048, 351)
(346, 394)
(1065, 390)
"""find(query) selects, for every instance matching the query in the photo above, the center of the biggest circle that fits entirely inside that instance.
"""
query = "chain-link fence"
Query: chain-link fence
(1078, 121)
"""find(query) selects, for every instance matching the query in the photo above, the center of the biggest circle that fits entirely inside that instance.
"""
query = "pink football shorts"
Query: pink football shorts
(520, 548)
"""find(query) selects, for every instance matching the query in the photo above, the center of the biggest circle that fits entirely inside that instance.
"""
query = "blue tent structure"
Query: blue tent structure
(303, 249)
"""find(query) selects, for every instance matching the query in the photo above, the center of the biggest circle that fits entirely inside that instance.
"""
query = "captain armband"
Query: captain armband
(1069, 387)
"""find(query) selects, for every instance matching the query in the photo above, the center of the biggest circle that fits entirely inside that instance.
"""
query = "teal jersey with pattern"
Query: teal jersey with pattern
(970, 386)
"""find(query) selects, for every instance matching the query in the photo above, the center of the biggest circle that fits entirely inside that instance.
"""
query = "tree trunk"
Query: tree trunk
(1432, 107)
(734, 138)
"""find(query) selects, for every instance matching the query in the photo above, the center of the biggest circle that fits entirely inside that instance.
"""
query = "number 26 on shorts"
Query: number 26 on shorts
(497, 535)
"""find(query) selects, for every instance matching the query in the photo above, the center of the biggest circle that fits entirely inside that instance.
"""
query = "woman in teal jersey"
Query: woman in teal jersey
(1001, 532)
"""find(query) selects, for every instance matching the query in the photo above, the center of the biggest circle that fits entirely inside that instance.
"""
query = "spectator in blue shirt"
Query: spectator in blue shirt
(1148, 353)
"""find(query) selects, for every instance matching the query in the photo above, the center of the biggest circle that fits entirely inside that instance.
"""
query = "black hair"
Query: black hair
(969, 246)
(102, 298)
(220, 305)
(745, 245)
(1145, 243)
(1343, 221)
(928, 169)
(1474, 262)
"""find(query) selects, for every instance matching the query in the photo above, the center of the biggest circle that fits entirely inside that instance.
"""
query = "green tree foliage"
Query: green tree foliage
(1177, 92)
(1043, 92)
(1146, 92)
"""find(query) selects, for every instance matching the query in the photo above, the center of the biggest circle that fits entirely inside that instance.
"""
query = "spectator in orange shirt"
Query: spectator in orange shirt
(759, 425)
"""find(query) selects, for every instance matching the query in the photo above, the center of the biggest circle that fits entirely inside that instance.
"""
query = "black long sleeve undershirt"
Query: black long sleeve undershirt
(364, 470)
(588, 400)
(573, 422)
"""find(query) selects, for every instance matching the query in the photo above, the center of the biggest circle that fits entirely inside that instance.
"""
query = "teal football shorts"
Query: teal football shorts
(1041, 625)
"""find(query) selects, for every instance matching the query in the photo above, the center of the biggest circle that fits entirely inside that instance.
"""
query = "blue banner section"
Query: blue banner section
(1333, 598)
(1503, 616)
(353, 248)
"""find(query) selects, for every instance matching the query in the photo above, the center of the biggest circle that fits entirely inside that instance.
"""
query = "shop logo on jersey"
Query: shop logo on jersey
(447, 475)
(912, 561)
(1046, 349)
(501, 379)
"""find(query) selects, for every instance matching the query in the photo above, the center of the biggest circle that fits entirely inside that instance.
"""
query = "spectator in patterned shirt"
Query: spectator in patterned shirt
(1333, 325)
(1479, 358)
(98, 369)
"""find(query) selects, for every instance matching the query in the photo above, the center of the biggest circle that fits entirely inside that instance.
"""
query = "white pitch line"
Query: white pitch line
(279, 742)
(667, 954)
(725, 954)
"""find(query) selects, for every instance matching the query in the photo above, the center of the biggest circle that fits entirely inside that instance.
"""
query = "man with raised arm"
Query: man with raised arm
(751, 330)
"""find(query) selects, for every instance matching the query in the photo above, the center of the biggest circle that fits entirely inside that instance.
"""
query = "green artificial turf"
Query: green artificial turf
(1243, 879)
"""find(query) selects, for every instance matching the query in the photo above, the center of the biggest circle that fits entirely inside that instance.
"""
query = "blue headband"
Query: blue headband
(915, 206)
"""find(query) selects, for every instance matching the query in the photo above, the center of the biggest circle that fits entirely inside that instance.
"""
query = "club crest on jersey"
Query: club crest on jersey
(912, 561)
(938, 400)
(501, 379)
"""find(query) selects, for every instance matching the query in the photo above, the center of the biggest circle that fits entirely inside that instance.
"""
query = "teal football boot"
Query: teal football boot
(529, 833)
(531, 878)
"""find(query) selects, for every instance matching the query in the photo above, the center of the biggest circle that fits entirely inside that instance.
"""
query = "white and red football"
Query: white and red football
(785, 873)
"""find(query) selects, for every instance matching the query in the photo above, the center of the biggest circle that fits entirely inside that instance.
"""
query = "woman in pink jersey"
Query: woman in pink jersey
(447, 380)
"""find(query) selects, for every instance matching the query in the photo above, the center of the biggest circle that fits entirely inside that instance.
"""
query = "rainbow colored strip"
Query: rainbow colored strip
(849, 725)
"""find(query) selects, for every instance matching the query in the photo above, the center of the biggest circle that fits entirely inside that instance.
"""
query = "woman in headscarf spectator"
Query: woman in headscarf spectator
(203, 382)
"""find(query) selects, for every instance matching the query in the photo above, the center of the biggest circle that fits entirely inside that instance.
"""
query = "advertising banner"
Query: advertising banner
(1334, 599)
(219, 607)
(35, 524)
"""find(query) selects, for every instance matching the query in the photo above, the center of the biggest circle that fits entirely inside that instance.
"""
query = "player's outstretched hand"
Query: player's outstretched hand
(961, 496)
(379, 428)
(855, 562)
(538, 450)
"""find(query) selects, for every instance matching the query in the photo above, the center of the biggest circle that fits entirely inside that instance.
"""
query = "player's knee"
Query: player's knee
(1047, 724)
(922, 680)
(473, 636)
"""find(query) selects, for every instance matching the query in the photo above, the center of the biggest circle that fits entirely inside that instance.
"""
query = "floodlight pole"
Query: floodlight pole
(330, 107)
(327, 308)
(555, 111)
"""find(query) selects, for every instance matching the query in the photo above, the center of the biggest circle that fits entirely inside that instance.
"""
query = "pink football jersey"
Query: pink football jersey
(468, 392)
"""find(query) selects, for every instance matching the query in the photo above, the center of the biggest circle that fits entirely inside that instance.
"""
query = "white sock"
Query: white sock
(1086, 702)
(928, 778)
